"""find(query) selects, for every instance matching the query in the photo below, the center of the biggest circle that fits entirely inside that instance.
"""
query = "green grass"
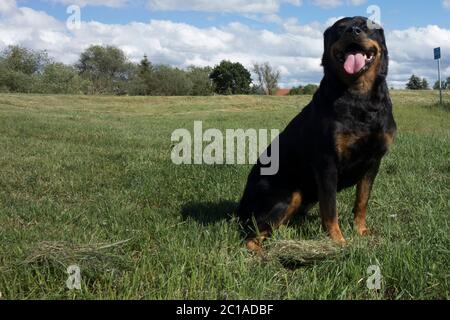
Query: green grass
(79, 173)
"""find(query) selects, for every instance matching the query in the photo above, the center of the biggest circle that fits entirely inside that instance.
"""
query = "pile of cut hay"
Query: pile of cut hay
(93, 256)
(294, 254)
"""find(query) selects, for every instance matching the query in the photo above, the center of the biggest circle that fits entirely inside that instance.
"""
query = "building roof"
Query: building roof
(282, 92)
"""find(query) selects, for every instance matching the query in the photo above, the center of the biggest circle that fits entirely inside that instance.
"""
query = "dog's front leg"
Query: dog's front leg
(363, 190)
(327, 189)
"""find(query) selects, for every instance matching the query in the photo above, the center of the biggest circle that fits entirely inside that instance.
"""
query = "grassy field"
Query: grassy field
(80, 175)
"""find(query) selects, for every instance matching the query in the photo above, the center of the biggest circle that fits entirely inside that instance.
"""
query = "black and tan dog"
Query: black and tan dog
(336, 142)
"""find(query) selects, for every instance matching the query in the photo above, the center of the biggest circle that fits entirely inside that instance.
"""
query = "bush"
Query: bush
(309, 89)
(201, 83)
(20, 68)
(16, 81)
(161, 80)
(58, 78)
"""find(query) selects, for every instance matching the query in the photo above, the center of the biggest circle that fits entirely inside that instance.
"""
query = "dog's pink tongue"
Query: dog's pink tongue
(354, 63)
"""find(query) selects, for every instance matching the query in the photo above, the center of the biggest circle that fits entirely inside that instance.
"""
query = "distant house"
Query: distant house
(282, 92)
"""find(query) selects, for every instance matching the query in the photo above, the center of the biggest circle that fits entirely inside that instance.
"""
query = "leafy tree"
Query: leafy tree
(231, 78)
(201, 83)
(425, 85)
(15, 81)
(444, 85)
(106, 67)
(142, 81)
(19, 67)
(309, 89)
(149, 79)
(58, 78)
(296, 91)
(145, 66)
(171, 82)
(24, 60)
(415, 83)
(267, 77)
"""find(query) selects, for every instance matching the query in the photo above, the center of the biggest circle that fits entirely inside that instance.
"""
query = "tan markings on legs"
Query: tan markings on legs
(255, 244)
(333, 229)
(296, 202)
(360, 211)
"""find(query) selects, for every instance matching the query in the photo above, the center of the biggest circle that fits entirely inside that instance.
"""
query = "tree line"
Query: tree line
(416, 83)
(99, 70)
(106, 70)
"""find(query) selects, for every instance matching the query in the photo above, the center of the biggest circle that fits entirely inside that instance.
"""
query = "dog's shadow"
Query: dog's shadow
(207, 213)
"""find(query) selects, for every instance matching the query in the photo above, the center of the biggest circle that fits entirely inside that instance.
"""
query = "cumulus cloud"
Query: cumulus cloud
(7, 5)
(295, 49)
(83, 3)
(411, 52)
(330, 4)
(242, 6)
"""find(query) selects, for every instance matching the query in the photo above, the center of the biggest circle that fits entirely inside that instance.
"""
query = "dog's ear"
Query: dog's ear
(326, 45)
(385, 54)
(327, 38)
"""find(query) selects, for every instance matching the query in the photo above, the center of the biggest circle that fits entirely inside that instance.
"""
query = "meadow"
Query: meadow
(89, 181)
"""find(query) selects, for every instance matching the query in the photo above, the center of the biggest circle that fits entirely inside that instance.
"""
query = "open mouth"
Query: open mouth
(356, 59)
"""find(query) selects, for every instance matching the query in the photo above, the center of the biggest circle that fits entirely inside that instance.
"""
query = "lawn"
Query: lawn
(89, 181)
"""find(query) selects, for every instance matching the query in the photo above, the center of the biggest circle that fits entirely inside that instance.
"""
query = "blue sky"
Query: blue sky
(395, 14)
(287, 33)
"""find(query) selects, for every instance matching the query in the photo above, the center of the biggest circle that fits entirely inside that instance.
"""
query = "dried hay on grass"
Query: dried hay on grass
(294, 254)
(91, 256)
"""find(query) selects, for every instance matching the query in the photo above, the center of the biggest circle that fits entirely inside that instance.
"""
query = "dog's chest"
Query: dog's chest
(362, 146)
(361, 135)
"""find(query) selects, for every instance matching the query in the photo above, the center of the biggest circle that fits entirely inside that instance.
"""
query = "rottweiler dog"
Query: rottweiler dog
(336, 142)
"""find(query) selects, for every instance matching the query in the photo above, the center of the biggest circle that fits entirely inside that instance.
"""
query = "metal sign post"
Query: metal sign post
(437, 56)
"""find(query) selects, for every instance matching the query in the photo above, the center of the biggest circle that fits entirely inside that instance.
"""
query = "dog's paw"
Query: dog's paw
(254, 246)
(364, 232)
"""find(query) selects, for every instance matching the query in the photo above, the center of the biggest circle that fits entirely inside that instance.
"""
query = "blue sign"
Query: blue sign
(437, 53)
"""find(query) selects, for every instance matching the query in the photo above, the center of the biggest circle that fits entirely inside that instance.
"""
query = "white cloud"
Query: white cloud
(83, 3)
(296, 49)
(418, 43)
(241, 6)
(7, 5)
(331, 4)
(411, 51)
(328, 4)
(446, 4)
(356, 2)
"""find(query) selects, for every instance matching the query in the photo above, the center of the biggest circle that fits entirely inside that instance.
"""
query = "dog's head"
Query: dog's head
(356, 53)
